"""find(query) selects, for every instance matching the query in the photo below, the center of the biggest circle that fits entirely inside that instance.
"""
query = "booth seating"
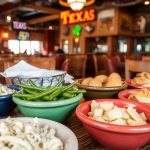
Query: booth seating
(43, 63)
(136, 66)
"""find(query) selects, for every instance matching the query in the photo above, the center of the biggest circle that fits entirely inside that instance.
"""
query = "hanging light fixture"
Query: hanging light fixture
(76, 5)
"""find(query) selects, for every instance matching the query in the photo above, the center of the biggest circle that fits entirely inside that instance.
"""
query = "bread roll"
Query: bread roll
(115, 75)
(86, 81)
(95, 83)
(101, 78)
(114, 80)
(140, 80)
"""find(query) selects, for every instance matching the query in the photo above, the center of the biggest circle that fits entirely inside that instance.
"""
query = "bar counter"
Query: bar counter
(84, 140)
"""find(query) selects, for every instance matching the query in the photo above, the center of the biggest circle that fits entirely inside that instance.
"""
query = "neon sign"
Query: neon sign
(19, 25)
(77, 30)
(77, 17)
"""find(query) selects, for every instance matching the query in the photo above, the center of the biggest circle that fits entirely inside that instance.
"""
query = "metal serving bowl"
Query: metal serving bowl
(101, 92)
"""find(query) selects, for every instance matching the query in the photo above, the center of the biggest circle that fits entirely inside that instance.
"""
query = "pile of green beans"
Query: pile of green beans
(31, 92)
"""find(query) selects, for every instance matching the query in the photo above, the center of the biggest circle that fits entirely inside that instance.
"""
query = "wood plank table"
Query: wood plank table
(84, 140)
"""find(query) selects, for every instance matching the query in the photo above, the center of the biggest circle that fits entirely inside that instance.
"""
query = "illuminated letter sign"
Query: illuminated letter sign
(19, 25)
(77, 17)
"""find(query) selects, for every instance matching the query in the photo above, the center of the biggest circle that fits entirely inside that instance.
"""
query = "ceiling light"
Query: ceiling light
(76, 5)
(50, 28)
(8, 18)
(146, 2)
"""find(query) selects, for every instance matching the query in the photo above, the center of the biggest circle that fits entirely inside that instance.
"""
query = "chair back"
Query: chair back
(146, 58)
(65, 65)
(77, 65)
(59, 60)
(136, 66)
(99, 64)
(44, 63)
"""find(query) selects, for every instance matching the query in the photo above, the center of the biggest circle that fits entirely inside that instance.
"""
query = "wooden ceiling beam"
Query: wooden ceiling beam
(43, 19)
(32, 7)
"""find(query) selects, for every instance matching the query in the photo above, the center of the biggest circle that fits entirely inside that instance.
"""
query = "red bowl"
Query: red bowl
(116, 137)
(134, 86)
(123, 95)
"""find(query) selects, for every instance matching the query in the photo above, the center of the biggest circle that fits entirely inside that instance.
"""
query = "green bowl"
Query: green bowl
(54, 110)
(100, 92)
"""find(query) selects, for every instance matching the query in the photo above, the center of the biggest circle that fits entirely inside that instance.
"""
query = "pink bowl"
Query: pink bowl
(134, 86)
(123, 95)
(116, 137)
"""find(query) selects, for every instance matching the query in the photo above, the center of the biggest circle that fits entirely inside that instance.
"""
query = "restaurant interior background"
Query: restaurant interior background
(100, 38)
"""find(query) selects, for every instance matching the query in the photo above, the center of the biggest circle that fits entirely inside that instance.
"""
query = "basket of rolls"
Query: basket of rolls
(102, 86)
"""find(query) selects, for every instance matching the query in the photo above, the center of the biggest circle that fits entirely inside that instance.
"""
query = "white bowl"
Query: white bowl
(64, 133)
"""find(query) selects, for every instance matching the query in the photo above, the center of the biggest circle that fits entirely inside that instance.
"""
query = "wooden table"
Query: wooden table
(84, 140)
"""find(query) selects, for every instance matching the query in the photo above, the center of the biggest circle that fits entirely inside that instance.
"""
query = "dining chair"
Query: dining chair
(136, 66)
(77, 65)
(146, 58)
(99, 64)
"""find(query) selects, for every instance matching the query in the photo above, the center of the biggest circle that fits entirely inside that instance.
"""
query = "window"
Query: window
(29, 47)
(25, 47)
(142, 45)
(122, 45)
(13, 45)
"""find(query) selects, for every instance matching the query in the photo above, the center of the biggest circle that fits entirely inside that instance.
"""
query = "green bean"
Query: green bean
(77, 91)
(68, 95)
(45, 98)
(60, 82)
(47, 92)
(31, 87)
(69, 86)
(28, 91)
(22, 95)
(55, 94)
(32, 83)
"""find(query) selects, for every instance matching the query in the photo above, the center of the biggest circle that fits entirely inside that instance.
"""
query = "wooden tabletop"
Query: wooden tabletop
(84, 140)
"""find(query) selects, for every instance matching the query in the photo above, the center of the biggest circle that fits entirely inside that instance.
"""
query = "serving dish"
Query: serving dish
(6, 103)
(123, 95)
(62, 132)
(100, 92)
(116, 137)
(53, 110)
(135, 86)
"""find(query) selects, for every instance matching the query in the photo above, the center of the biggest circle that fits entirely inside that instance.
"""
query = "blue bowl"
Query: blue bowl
(6, 103)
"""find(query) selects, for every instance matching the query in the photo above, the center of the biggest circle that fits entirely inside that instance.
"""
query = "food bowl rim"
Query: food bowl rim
(101, 88)
(46, 104)
(110, 127)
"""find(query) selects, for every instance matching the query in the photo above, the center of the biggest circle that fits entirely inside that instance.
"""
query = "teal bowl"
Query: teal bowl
(54, 110)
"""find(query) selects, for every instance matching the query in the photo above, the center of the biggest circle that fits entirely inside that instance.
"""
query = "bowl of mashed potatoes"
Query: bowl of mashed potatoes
(35, 134)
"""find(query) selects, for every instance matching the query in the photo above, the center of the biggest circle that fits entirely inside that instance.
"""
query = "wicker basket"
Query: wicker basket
(39, 81)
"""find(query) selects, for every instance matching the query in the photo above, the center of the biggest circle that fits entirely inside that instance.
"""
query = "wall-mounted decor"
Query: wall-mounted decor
(142, 24)
(89, 28)
(105, 21)
(125, 23)
(66, 30)
(77, 30)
